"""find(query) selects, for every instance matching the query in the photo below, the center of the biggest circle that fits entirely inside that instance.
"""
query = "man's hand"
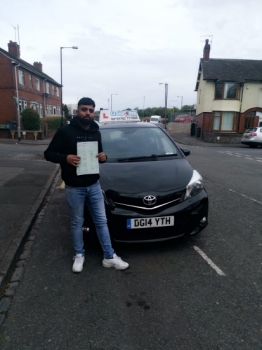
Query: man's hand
(101, 157)
(73, 159)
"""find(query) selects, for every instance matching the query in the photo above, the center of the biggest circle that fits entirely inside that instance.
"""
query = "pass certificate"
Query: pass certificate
(87, 151)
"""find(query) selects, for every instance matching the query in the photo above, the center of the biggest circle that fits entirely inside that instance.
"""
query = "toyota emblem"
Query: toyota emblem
(149, 200)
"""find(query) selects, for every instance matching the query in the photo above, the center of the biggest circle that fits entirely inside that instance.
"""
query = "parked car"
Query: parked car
(183, 119)
(151, 191)
(252, 137)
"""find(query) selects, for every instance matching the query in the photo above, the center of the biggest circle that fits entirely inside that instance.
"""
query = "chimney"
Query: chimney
(38, 65)
(14, 49)
(206, 51)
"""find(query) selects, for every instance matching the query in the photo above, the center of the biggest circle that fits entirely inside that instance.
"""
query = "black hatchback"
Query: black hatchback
(151, 191)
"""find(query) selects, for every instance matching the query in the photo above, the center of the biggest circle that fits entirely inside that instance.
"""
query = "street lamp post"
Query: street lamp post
(111, 100)
(61, 48)
(181, 102)
(144, 108)
(16, 64)
(166, 93)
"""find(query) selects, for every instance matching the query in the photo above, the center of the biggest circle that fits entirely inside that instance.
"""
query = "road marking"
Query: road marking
(249, 158)
(243, 195)
(238, 156)
(258, 160)
(209, 261)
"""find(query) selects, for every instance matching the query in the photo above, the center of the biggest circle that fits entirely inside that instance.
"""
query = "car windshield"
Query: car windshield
(154, 119)
(130, 142)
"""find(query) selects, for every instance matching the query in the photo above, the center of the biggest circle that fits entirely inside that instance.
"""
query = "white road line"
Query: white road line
(238, 156)
(258, 160)
(243, 195)
(249, 158)
(210, 262)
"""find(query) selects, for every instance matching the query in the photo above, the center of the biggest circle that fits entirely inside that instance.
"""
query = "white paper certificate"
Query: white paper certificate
(89, 164)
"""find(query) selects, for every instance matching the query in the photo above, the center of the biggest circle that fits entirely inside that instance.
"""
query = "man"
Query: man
(81, 190)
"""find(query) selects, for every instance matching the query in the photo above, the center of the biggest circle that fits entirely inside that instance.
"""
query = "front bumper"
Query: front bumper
(188, 221)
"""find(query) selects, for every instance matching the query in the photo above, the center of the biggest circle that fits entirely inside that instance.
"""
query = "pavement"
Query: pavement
(31, 183)
(25, 181)
(186, 139)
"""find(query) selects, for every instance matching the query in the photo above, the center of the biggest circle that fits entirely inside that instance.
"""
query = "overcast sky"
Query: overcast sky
(128, 47)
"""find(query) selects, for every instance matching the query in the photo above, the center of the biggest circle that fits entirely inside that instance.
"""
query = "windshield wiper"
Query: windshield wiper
(153, 156)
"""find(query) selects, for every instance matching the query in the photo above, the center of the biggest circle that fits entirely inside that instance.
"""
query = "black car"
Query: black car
(152, 192)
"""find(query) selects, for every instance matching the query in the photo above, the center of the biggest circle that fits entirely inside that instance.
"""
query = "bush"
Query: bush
(54, 122)
(30, 119)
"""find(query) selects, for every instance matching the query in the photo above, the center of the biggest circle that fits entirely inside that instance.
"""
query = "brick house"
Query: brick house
(229, 96)
(35, 88)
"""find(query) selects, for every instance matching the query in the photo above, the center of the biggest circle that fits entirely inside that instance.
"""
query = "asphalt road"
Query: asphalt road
(170, 297)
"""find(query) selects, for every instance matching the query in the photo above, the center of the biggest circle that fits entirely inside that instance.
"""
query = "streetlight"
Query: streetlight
(63, 47)
(144, 108)
(16, 64)
(166, 92)
(181, 102)
(111, 100)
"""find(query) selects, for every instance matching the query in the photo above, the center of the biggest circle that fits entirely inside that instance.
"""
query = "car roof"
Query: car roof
(113, 125)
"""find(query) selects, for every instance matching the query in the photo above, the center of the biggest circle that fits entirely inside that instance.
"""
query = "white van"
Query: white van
(155, 119)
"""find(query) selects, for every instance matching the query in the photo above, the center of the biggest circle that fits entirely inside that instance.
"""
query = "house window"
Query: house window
(53, 90)
(227, 91)
(37, 81)
(47, 88)
(57, 91)
(22, 105)
(40, 109)
(58, 109)
(48, 109)
(21, 77)
(224, 121)
(30, 81)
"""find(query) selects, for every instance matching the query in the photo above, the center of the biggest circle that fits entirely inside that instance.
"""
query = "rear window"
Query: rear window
(251, 130)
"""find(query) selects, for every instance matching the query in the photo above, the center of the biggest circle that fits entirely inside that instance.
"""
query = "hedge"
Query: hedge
(30, 119)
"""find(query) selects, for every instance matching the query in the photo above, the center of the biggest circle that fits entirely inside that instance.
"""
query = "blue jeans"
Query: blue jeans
(92, 197)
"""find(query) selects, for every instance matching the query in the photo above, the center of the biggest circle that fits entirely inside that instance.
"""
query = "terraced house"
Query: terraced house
(229, 95)
(26, 83)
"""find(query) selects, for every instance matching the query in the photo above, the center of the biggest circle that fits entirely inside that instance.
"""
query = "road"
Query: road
(200, 293)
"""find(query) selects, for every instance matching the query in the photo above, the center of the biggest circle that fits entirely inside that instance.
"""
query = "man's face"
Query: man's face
(86, 112)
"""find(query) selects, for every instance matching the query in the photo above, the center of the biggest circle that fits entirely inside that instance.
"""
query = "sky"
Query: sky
(127, 47)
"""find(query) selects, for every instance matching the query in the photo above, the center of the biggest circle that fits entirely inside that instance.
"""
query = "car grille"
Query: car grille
(136, 203)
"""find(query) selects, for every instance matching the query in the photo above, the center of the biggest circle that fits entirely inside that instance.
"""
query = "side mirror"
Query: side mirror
(186, 151)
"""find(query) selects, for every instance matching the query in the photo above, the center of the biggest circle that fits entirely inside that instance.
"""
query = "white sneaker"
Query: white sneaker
(115, 262)
(78, 263)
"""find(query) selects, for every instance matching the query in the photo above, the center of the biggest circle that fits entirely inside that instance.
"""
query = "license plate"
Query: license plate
(246, 136)
(161, 221)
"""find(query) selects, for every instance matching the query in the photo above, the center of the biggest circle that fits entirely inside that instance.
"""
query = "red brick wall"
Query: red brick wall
(203, 121)
(7, 91)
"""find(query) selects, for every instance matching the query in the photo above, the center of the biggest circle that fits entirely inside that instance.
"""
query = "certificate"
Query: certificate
(87, 151)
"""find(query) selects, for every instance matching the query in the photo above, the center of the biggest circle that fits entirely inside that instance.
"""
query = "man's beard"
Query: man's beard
(84, 121)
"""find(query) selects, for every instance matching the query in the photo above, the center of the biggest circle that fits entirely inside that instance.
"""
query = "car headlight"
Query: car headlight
(195, 185)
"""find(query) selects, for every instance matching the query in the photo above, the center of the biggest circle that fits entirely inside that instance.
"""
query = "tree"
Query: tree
(66, 110)
(30, 119)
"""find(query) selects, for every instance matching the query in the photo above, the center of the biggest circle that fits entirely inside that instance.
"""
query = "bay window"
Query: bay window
(224, 121)
(227, 91)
